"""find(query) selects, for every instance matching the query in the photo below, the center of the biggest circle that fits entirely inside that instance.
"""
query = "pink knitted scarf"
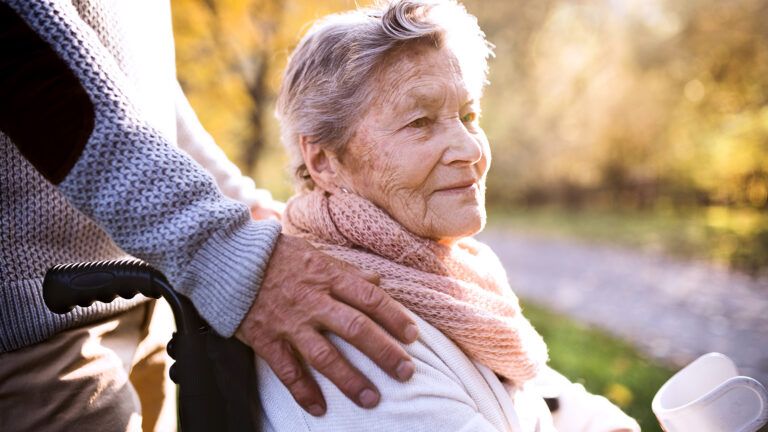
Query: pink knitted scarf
(462, 289)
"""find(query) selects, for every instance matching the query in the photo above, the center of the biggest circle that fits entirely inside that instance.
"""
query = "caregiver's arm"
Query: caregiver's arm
(66, 107)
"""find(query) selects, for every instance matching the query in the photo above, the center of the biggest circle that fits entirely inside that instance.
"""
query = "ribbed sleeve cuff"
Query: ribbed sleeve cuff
(224, 276)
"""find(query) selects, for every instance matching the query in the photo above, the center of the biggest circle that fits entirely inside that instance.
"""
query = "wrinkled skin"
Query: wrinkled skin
(294, 307)
(419, 152)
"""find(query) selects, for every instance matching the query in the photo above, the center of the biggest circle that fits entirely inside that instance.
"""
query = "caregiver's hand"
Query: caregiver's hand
(305, 292)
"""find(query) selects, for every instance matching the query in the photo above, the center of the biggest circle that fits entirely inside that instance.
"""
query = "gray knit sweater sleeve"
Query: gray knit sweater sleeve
(155, 202)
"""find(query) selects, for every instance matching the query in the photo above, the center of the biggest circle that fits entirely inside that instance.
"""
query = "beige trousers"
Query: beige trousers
(106, 376)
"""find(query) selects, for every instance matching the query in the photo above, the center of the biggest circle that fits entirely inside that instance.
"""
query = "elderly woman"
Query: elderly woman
(380, 109)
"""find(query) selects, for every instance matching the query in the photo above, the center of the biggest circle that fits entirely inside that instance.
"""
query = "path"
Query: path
(672, 310)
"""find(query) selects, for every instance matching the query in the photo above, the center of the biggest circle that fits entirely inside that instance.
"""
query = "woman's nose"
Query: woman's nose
(463, 148)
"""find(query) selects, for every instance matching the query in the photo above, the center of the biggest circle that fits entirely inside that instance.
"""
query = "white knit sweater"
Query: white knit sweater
(448, 392)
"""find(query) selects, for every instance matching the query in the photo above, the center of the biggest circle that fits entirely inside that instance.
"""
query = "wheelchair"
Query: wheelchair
(213, 373)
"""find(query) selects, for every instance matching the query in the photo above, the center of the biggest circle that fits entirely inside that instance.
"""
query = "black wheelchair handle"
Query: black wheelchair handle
(69, 285)
(213, 373)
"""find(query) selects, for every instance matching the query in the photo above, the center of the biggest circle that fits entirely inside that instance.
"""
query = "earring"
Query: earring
(343, 189)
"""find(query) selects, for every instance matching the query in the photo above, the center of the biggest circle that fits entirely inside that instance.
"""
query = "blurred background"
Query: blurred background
(629, 185)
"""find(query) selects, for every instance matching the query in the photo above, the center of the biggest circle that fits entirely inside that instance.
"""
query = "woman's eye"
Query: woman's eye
(469, 117)
(419, 122)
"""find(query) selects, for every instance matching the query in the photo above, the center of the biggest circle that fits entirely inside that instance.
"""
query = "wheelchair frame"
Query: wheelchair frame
(213, 373)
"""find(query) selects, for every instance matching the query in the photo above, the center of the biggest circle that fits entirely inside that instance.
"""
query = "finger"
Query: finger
(360, 331)
(303, 387)
(377, 304)
(319, 353)
(370, 276)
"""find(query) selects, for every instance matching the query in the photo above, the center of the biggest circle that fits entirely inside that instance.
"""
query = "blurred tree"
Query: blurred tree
(230, 55)
(628, 101)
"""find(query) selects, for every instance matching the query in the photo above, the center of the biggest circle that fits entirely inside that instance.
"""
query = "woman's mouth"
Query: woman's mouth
(461, 188)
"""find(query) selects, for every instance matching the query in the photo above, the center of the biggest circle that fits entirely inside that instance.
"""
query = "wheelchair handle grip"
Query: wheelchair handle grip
(69, 285)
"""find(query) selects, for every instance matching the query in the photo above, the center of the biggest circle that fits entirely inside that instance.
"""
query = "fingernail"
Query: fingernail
(411, 333)
(368, 398)
(316, 410)
(405, 369)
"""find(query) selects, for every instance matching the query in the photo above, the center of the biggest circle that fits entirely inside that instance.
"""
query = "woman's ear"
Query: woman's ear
(322, 164)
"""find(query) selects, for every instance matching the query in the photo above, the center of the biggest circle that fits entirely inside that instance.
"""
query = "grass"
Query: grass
(734, 237)
(602, 363)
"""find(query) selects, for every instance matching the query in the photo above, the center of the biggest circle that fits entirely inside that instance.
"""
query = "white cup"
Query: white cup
(708, 395)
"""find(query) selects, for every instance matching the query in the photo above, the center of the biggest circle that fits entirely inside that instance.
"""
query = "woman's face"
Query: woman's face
(419, 152)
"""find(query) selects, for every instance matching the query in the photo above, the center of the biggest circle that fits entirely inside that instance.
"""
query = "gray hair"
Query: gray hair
(327, 88)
